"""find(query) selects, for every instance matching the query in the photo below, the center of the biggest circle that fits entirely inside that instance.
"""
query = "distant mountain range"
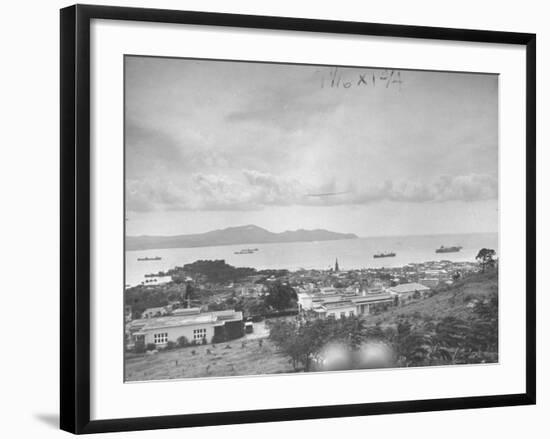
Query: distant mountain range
(249, 234)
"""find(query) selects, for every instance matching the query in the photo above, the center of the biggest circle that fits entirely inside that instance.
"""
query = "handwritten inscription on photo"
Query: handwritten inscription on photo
(341, 78)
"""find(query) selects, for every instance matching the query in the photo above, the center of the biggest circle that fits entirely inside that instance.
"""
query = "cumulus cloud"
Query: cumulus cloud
(255, 190)
(153, 194)
(468, 187)
(211, 192)
(473, 187)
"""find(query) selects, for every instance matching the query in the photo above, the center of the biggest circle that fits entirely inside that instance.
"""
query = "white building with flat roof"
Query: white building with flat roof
(195, 326)
(344, 304)
(409, 291)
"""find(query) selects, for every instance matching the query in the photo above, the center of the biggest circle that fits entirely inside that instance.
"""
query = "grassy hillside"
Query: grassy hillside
(452, 301)
(226, 359)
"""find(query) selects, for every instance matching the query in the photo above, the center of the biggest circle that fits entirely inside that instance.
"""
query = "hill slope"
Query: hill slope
(446, 301)
(249, 234)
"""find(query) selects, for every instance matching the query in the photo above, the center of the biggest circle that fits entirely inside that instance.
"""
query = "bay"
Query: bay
(351, 254)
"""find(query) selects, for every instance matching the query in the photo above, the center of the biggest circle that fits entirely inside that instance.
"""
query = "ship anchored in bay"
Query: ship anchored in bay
(384, 255)
(451, 249)
(246, 251)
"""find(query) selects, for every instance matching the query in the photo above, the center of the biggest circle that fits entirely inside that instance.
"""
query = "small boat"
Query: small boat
(452, 249)
(156, 258)
(384, 255)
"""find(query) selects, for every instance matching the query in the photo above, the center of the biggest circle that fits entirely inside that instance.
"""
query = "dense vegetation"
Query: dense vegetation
(216, 271)
(412, 338)
(280, 296)
(142, 297)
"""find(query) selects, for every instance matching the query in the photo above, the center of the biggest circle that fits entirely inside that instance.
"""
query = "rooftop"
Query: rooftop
(186, 311)
(337, 305)
(372, 297)
(408, 288)
(194, 319)
(155, 309)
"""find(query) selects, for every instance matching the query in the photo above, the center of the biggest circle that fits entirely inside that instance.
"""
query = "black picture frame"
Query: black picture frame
(75, 217)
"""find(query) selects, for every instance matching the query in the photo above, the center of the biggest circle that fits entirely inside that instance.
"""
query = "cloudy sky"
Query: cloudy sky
(213, 144)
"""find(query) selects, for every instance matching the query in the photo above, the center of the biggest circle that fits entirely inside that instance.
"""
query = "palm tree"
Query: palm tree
(411, 345)
(451, 333)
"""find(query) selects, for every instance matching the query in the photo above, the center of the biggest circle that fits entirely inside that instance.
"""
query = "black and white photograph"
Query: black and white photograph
(275, 219)
(284, 218)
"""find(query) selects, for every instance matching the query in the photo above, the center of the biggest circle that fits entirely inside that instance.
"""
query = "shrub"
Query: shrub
(218, 338)
(151, 346)
(183, 342)
(170, 345)
(204, 341)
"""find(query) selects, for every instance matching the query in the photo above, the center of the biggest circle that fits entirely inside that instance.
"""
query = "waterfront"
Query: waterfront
(351, 253)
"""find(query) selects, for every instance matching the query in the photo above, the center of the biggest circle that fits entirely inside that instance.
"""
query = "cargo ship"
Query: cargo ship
(384, 255)
(452, 249)
(246, 251)
(156, 258)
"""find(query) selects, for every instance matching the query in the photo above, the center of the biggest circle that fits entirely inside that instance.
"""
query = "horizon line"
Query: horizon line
(327, 230)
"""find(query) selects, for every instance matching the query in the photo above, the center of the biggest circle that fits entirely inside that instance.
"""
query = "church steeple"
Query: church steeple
(336, 267)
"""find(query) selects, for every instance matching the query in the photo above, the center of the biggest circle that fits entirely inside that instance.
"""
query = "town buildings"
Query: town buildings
(331, 293)
(157, 311)
(197, 327)
(409, 291)
(333, 303)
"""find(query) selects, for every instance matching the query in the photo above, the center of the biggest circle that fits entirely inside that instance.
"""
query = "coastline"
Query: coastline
(352, 254)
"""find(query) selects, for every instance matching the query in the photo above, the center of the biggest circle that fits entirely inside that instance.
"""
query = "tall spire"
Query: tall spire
(336, 267)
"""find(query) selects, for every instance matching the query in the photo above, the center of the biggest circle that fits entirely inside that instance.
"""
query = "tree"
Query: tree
(352, 330)
(254, 307)
(450, 337)
(183, 342)
(213, 306)
(486, 258)
(483, 334)
(281, 296)
(189, 293)
(304, 341)
(411, 345)
(216, 271)
(285, 334)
